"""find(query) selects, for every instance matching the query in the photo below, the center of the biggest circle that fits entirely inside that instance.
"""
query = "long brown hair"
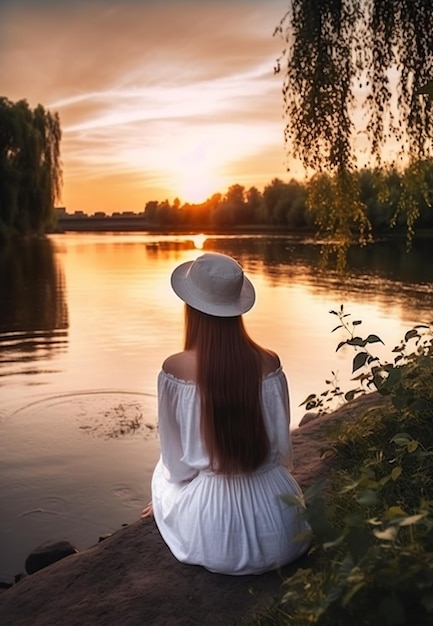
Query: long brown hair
(229, 376)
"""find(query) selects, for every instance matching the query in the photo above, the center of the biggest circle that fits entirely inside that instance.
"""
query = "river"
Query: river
(86, 320)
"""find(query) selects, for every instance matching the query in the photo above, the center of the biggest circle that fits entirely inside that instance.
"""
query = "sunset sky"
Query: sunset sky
(157, 99)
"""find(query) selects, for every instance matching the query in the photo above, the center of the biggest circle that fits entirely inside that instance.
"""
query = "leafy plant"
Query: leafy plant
(413, 354)
(373, 521)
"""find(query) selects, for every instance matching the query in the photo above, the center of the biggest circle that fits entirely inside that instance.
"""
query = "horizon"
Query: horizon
(157, 100)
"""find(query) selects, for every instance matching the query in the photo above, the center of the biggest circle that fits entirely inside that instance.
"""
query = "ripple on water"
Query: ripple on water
(104, 414)
(73, 465)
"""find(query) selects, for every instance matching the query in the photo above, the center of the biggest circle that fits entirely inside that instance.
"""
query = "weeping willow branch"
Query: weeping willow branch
(343, 57)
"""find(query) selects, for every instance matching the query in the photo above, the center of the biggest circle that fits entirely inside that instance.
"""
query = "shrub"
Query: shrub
(373, 524)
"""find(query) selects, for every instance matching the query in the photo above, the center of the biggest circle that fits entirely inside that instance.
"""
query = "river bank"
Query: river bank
(137, 223)
(131, 578)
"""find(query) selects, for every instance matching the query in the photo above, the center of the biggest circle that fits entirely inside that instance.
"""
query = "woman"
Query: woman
(223, 418)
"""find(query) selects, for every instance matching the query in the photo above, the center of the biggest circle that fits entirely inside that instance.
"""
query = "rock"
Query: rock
(131, 578)
(48, 553)
(309, 417)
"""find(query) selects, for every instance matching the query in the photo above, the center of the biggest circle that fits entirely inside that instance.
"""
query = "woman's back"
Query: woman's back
(228, 367)
(183, 365)
(223, 418)
(230, 524)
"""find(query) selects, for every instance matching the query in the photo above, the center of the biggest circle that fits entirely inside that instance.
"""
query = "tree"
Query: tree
(284, 203)
(337, 51)
(150, 211)
(235, 205)
(30, 167)
(254, 202)
(381, 206)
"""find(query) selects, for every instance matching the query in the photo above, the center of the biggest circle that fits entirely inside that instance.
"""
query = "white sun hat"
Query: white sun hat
(214, 284)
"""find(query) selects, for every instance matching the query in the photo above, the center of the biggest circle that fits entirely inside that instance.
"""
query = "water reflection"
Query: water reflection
(383, 271)
(387, 259)
(33, 311)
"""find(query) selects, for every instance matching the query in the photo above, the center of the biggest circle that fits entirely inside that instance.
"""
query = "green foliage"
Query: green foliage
(30, 167)
(417, 193)
(398, 379)
(338, 58)
(284, 204)
(426, 89)
(339, 211)
(374, 522)
(333, 48)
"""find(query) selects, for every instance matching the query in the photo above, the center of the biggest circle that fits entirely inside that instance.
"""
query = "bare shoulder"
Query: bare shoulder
(270, 361)
(182, 365)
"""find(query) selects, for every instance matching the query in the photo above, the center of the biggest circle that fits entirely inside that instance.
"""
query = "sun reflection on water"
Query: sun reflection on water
(198, 241)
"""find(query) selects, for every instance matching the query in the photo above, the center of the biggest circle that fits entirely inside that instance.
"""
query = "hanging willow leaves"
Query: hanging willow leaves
(335, 52)
(30, 167)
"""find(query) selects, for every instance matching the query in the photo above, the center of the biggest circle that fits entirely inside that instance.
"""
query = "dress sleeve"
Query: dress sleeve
(285, 447)
(170, 414)
(277, 406)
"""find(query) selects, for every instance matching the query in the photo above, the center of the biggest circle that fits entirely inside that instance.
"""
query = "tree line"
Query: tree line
(31, 178)
(293, 205)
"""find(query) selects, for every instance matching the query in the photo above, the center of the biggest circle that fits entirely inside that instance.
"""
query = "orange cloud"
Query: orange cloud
(154, 97)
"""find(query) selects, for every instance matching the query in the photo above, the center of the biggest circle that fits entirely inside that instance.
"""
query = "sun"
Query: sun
(198, 188)
(196, 174)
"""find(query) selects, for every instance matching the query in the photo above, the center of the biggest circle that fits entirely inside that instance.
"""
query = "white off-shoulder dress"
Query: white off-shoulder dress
(230, 525)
